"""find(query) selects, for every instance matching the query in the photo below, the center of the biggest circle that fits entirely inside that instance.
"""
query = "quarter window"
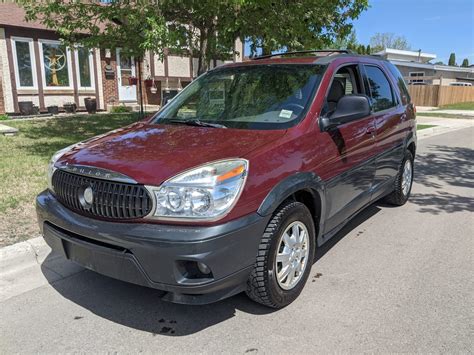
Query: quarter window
(405, 95)
(380, 89)
(55, 62)
(24, 63)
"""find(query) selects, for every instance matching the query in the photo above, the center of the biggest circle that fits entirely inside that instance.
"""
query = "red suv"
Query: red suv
(235, 182)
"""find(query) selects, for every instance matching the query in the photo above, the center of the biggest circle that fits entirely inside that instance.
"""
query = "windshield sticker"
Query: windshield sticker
(285, 113)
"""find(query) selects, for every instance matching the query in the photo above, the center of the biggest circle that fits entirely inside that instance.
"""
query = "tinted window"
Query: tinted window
(380, 89)
(248, 97)
(400, 82)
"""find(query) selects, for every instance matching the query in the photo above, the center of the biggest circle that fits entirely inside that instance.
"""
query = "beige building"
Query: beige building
(415, 67)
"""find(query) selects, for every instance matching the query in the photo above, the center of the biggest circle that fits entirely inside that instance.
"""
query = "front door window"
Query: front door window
(125, 71)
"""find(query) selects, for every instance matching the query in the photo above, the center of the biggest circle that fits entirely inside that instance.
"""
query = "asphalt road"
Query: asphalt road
(394, 280)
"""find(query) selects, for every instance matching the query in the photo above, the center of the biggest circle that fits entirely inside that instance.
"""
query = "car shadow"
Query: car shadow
(141, 308)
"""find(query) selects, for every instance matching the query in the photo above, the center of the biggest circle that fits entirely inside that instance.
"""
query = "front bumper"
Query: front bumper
(153, 255)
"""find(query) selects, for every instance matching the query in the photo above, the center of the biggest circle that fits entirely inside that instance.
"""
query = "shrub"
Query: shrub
(120, 109)
(4, 117)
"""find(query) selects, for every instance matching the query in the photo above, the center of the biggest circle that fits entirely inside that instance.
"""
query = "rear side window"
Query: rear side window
(405, 95)
(380, 89)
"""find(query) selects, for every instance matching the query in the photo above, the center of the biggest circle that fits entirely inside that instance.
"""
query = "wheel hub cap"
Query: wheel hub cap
(291, 259)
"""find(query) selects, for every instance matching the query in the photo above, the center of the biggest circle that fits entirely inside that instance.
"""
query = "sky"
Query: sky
(434, 26)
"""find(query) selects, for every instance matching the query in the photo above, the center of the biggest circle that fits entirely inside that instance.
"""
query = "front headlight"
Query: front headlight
(52, 161)
(207, 192)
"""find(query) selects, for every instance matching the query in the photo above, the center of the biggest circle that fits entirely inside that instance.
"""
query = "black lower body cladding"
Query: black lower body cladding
(164, 257)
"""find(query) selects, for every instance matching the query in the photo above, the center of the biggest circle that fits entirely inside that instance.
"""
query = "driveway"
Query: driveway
(394, 280)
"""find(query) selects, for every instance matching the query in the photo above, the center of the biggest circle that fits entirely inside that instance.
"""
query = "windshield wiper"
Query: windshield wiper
(196, 122)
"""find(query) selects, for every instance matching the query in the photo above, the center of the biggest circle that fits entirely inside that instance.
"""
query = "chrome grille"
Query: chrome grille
(112, 199)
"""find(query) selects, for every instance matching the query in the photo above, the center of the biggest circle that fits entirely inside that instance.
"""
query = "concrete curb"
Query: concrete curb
(22, 255)
(28, 265)
(434, 131)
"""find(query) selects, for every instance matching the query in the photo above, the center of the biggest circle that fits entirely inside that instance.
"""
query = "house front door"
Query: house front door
(125, 70)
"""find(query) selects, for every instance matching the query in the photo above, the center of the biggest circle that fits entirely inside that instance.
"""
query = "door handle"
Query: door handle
(370, 130)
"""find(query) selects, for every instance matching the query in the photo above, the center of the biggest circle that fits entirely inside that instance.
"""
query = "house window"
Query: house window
(417, 76)
(85, 68)
(24, 60)
(55, 59)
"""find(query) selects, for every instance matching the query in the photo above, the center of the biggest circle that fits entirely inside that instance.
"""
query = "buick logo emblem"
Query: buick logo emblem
(87, 197)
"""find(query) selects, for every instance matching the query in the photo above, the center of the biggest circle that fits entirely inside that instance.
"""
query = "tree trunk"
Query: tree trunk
(266, 50)
(203, 44)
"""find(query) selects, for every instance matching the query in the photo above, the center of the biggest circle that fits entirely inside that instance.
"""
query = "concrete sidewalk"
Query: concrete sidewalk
(429, 109)
(7, 130)
(442, 125)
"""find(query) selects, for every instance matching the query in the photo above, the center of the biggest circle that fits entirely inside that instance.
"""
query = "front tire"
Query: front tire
(403, 182)
(285, 257)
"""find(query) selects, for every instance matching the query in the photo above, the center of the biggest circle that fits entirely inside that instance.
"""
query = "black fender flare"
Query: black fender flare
(290, 185)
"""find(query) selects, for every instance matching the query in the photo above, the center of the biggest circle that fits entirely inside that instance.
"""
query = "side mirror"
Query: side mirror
(349, 108)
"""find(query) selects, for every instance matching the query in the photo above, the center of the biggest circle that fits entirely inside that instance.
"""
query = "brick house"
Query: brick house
(35, 67)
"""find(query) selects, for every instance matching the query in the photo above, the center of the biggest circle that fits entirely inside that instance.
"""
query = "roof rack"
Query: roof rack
(318, 51)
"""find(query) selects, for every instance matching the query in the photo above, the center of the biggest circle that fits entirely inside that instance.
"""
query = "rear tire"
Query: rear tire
(287, 246)
(403, 182)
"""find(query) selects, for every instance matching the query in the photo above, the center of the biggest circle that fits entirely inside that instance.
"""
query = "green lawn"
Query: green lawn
(459, 106)
(419, 127)
(24, 159)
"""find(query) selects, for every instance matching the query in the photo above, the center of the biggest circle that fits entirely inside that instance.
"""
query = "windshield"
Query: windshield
(248, 97)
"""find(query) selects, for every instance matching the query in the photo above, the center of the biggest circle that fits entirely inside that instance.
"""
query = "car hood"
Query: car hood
(152, 153)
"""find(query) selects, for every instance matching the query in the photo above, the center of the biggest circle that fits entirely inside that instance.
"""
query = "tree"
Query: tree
(439, 63)
(272, 25)
(206, 28)
(345, 42)
(465, 63)
(381, 41)
(452, 59)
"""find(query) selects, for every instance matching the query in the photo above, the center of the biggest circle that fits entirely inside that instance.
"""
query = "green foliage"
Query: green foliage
(452, 59)
(302, 24)
(346, 42)
(465, 63)
(380, 41)
(120, 109)
(4, 117)
(135, 26)
(206, 28)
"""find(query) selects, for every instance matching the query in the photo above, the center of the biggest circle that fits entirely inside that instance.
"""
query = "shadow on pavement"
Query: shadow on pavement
(141, 308)
(450, 165)
(442, 167)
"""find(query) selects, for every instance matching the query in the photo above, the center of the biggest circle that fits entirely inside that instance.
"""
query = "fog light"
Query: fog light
(203, 268)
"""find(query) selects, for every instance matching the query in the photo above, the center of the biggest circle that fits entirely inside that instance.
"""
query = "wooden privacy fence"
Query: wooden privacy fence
(436, 95)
